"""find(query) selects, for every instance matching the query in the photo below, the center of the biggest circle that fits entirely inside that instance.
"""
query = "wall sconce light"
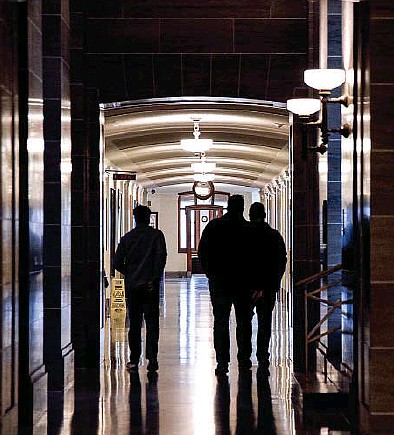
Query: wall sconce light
(303, 107)
(196, 145)
(323, 80)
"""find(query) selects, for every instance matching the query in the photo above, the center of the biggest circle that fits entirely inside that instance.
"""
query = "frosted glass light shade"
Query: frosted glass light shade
(324, 79)
(303, 106)
(204, 177)
(203, 167)
(196, 145)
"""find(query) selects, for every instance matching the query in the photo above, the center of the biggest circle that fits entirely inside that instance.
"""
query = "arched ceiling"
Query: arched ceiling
(250, 139)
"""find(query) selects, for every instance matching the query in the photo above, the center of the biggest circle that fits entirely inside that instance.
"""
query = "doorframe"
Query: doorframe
(189, 251)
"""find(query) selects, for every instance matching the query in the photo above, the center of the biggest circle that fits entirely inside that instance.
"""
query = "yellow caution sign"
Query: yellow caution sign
(118, 325)
(118, 298)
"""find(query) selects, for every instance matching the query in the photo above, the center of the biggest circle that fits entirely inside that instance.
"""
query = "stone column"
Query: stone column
(9, 219)
(86, 196)
(374, 145)
(32, 373)
(59, 355)
(306, 238)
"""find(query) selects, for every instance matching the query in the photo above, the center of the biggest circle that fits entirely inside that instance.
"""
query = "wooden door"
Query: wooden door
(197, 217)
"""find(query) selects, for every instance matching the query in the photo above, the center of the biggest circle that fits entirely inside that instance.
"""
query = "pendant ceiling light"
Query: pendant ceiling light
(204, 177)
(196, 145)
(203, 166)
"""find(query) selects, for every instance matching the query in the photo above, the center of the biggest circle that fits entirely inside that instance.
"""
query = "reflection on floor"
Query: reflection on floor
(186, 398)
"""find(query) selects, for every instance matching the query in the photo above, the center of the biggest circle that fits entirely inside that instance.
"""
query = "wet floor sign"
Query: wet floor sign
(118, 298)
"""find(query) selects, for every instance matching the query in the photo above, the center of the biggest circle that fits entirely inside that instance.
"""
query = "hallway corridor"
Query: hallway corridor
(186, 398)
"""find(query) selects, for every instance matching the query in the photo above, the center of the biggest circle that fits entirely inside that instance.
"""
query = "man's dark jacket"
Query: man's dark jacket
(268, 256)
(221, 248)
(141, 256)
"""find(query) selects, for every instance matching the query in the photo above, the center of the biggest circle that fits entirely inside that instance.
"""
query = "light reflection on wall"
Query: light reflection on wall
(66, 166)
(282, 371)
(35, 145)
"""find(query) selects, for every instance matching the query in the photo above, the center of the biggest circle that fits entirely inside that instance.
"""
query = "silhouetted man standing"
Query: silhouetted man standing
(221, 253)
(268, 263)
(141, 257)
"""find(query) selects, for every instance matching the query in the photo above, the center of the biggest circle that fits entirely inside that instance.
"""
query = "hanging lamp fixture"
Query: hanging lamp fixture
(203, 166)
(204, 178)
(196, 145)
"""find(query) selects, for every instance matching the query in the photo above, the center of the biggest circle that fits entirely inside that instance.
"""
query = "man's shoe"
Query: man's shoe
(133, 367)
(153, 365)
(245, 364)
(221, 369)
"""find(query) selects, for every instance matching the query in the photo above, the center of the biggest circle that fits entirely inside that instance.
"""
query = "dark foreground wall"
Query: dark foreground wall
(375, 85)
(225, 48)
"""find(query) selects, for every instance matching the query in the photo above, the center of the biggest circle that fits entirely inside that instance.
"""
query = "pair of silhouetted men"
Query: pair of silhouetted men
(244, 263)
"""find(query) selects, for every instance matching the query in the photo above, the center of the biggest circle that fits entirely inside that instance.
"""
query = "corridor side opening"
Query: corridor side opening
(250, 149)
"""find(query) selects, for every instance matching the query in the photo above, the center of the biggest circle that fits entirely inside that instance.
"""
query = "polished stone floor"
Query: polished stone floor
(186, 398)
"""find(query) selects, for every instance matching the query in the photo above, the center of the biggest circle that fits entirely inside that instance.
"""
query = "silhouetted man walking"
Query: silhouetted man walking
(221, 253)
(268, 263)
(141, 257)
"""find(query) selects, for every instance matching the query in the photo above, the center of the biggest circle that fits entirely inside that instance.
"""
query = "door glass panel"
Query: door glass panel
(204, 201)
(182, 227)
(192, 229)
(204, 219)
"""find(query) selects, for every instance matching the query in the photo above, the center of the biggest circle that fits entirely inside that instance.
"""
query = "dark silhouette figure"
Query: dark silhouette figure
(222, 407)
(268, 262)
(152, 421)
(136, 422)
(245, 411)
(141, 257)
(265, 417)
(221, 253)
(151, 407)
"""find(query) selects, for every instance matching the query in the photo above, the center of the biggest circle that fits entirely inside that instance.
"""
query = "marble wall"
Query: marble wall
(150, 49)
(305, 254)
(334, 181)
(378, 204)
(86, 198)
(35, 211)
(369, 212)
(9, 219)
(57, 194)
(32, 373)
